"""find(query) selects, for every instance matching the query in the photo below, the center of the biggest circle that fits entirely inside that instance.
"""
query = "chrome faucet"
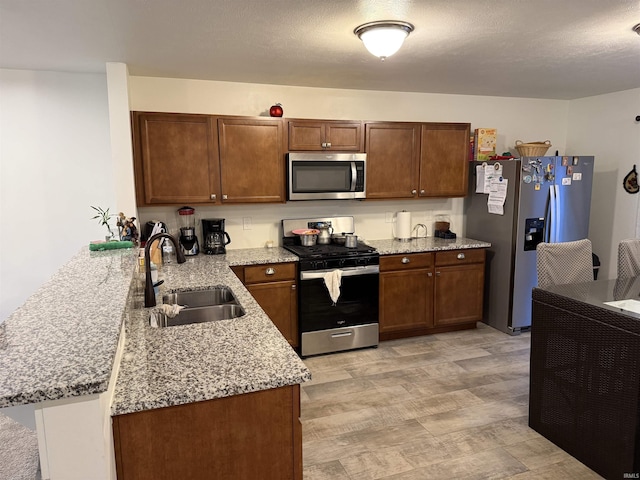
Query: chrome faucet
(149, 294)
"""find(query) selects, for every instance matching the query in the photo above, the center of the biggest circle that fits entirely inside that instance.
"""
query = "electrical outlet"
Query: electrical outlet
(388, 217)
(246, 223)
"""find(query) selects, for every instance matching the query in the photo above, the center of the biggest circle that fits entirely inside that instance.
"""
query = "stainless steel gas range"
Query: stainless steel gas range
(351, 321)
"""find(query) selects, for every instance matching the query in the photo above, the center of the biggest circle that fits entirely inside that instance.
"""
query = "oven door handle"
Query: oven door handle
(346, 272)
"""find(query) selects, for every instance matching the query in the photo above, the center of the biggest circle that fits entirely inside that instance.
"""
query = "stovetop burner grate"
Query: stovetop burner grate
(331, 250)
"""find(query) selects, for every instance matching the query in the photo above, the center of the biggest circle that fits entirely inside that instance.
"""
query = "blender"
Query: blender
(188, 238)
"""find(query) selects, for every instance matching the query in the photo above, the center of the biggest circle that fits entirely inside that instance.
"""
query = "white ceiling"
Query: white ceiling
(556, 49)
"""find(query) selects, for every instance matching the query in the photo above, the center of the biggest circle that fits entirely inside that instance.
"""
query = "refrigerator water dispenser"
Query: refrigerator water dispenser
(533, 233)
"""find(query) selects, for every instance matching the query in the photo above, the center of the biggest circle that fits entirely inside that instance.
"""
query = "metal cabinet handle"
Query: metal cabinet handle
(437, 274)
(270, 271)
(429, 274)
(293, 287)
(224, 197)
(213, 196)
(405, 260)
(413, 192)
(461, 256)
(328, 144)
(323, 144)
(421, 192)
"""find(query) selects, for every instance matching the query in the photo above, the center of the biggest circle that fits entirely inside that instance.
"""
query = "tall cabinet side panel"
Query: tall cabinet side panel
(499, 231)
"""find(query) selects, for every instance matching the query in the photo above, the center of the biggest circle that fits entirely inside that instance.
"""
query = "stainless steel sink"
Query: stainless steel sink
(201, 298)
(208, 305)
(209, 313)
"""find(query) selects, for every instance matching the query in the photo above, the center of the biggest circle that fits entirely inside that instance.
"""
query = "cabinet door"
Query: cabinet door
(306, 135)
(406, 300)
(343, 136)
(279, 301)
(252, 166)
(175, 158)
(444, 160)
(459, 293)
(393, 159)
(314, 135)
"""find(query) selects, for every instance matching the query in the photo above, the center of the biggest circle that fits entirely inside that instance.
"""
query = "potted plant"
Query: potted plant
(103, 218)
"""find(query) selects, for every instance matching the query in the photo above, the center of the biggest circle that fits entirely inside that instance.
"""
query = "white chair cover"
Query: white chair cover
(564, 262)
(629, 258)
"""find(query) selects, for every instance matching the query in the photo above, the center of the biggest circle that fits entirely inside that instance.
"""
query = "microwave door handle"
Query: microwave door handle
(354, 176)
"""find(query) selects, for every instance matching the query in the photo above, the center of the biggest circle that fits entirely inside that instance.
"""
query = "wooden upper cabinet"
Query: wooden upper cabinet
(333, 135)
(252, 165)
(444, 160)
(176, 158)
(393, 159)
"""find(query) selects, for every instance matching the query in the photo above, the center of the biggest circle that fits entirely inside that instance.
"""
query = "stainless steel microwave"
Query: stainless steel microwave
(326, 176)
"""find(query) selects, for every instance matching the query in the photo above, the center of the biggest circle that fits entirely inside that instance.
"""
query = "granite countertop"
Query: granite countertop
(189, 363)
(425, 244)
(63, 340)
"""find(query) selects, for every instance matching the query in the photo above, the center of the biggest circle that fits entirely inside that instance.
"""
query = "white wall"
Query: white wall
(55, 162)
(605, 126)
(515, 119)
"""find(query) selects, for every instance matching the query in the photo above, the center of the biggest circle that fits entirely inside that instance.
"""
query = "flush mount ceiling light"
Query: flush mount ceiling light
(383, 38)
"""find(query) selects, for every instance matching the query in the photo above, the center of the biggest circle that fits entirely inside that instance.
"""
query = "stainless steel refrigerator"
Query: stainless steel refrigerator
(548, 199)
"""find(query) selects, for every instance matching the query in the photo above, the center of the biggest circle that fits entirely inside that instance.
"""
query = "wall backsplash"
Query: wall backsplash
(370, 217)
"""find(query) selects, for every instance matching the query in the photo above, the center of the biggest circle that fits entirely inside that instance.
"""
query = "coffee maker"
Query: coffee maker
(188, 239)
(215, 238)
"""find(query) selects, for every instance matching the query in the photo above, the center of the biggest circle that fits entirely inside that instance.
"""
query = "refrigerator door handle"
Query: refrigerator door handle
(552, 221)
(558, 217)
(551, 211)
(546, 237)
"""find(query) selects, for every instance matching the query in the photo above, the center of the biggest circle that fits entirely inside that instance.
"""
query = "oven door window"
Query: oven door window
(317, 177)
(357, 304)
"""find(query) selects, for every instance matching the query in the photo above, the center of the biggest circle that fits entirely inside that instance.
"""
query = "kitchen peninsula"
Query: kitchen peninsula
(61, 354)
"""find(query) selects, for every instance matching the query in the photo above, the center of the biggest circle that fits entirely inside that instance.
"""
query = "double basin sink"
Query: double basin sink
(209, 305)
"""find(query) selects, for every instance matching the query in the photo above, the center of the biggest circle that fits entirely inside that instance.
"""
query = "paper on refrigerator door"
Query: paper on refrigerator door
(492, 173)
(497, 196)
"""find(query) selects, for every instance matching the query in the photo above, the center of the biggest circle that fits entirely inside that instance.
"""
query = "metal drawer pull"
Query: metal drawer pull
(437, 274)
(461, 256)
(429, 274)
(405, 260)
(270, 271)
(413, 192)
(345, 334)
(224, 197)
(213, 196)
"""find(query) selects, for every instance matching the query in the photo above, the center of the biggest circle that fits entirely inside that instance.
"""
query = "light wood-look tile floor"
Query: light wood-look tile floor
(445, 406)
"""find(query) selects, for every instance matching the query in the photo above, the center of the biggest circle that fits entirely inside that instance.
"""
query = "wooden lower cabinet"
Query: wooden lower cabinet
(459, 286)
(274, 287)
(406, 293)
(422, 293)
(243, 437)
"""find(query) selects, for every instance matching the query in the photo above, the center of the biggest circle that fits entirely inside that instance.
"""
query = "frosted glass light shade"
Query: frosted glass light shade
(383, 39)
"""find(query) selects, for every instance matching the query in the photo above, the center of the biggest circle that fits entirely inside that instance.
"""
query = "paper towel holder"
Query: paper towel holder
(402, 226)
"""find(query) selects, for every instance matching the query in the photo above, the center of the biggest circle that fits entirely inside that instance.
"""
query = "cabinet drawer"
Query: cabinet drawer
(405, 261)
(458, 257)
(272, 272)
